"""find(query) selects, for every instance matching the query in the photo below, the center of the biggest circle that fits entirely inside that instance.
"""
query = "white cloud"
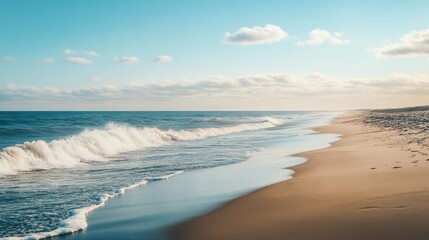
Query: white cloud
(256, 35)
(46, 61)
(126, 59)
(163, 59)
(79, 60)
(96, 78)
(7, 59)
(413, 44)
(69, 52)
(10, 86)
(321, 36)
(90, 53)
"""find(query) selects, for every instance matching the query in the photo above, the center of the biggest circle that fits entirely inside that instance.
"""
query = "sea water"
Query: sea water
(56, 167)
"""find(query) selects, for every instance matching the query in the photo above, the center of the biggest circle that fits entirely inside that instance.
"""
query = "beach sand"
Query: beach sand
(372, 184)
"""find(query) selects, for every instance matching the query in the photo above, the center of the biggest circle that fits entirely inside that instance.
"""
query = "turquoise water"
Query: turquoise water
(57, 166)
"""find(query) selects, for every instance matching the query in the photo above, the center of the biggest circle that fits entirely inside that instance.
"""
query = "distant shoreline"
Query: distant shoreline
(372, 184)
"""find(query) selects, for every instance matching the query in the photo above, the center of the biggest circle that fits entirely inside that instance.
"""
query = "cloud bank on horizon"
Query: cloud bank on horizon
(277, 88)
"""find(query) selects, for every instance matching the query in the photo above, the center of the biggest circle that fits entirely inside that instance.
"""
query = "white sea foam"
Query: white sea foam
(272, 120)
(164, 177)
(78, 222)
(105, 143)
(248, 119)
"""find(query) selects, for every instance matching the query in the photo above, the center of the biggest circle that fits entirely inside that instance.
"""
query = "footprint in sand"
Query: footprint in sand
(396, 167)
(383, 207)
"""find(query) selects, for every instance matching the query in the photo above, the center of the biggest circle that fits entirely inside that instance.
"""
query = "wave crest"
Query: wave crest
(102, 144)
(246, 119)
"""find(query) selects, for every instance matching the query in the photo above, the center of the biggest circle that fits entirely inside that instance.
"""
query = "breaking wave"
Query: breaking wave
(104, 143)
(247, 119)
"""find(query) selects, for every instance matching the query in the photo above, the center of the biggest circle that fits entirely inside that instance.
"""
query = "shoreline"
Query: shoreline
(361, 187)
(152, 209)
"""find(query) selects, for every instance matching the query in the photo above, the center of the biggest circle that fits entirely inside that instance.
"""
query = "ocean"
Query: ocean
(57, 167)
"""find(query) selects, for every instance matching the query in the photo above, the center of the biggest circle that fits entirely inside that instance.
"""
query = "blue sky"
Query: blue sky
(192, 34)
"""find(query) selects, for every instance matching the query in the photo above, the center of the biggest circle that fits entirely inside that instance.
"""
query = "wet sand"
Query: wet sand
(372, 184)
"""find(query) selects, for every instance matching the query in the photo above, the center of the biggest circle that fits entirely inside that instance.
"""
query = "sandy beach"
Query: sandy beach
(372, 184)
(226, 119)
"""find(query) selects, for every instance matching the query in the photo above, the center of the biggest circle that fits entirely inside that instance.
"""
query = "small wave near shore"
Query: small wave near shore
(78, 221)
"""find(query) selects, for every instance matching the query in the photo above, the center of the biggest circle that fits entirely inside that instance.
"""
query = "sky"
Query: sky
(213, 55)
